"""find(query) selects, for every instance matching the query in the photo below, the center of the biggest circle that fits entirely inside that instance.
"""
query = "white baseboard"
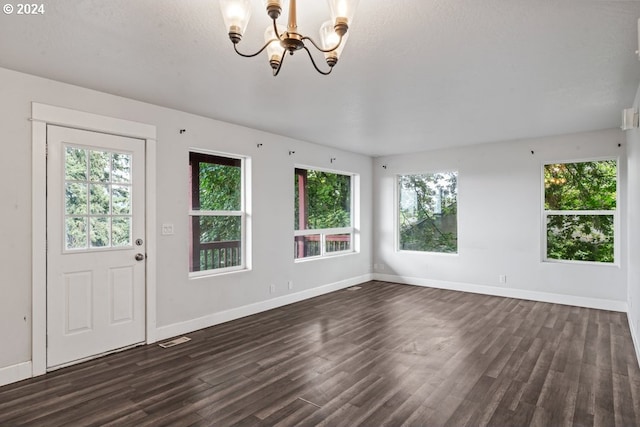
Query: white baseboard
(15, 373)
(634, 336)
(602, 304)
(175, 329)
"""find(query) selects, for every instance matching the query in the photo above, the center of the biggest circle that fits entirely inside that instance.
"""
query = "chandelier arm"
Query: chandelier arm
(251, 55)
(277, 70)
(319, 48)
(324, 73)
(275, 30)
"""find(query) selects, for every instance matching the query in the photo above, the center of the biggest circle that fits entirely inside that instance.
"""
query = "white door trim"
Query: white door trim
(41, 115)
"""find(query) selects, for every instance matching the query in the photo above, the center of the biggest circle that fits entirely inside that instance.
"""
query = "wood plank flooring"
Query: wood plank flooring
(384, 355)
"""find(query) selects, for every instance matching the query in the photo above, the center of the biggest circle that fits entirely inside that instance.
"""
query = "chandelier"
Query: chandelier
(280, 40)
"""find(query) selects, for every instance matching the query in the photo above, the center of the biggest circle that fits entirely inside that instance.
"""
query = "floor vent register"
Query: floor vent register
(174, 342)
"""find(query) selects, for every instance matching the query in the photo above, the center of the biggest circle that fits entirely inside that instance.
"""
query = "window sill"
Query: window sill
(450, 254)
(330, 256)
(591, 263)
(217, 272)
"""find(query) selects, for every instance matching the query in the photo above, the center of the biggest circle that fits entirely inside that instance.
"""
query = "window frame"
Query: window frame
(324, 232)
(397, 213)
(242, 213)
(598, 212)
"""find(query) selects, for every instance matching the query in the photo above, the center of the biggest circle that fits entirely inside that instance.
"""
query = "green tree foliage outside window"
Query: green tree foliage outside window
(220, 190)
(328, 200)
(580, 204)
(322, 203)
(428, 209)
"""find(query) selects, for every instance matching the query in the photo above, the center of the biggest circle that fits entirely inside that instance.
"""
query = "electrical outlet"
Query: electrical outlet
(167, 229)
(272, 288)
(502, 278)
(290, 284)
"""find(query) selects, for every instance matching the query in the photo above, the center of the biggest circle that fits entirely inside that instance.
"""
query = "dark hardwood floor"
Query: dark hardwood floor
(386, 354)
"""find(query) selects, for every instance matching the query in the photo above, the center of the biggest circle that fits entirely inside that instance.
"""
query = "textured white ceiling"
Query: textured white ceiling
(415, 75)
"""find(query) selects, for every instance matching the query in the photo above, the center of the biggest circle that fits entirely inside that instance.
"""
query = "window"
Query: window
(217, 213)
(428, 212)
(323, 213)
(98, 207)
(580, 210)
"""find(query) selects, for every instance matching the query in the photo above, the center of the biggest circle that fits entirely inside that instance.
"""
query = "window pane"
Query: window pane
(428, 212)
(337, 242)
(76, 233)
(322, 200)
(220, 243)
(580, 186)
(307, 246)
(99, 166)
(121, 200)
(99, 199)
(75, 198)
(100, 232)
(121, 231)
(75, 164)
(121, 167)
(580, 237)
(220, 187)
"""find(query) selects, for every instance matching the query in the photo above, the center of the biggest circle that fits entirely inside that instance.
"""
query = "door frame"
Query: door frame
(41, 116)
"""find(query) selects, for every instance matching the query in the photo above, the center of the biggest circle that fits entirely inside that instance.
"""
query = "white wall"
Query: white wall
(633, 157)
(180, 301)
(499, 222)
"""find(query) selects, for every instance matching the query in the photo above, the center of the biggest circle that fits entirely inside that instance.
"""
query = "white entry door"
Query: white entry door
(95, 244)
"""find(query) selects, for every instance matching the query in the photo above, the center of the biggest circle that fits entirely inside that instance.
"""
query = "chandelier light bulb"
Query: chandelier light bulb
(343, 9)
(332, 43)
(236, 15)
(274, 47)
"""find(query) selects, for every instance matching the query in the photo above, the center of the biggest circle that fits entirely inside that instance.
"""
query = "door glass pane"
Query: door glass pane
(121, 231)
(99, 166)
(76, 233)
(99, 199)
(121, 200)
(100, 232)
(121, 167)
(75, 198)
(75, 164)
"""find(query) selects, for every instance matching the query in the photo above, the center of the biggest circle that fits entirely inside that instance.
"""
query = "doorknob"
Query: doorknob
(139, 257)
